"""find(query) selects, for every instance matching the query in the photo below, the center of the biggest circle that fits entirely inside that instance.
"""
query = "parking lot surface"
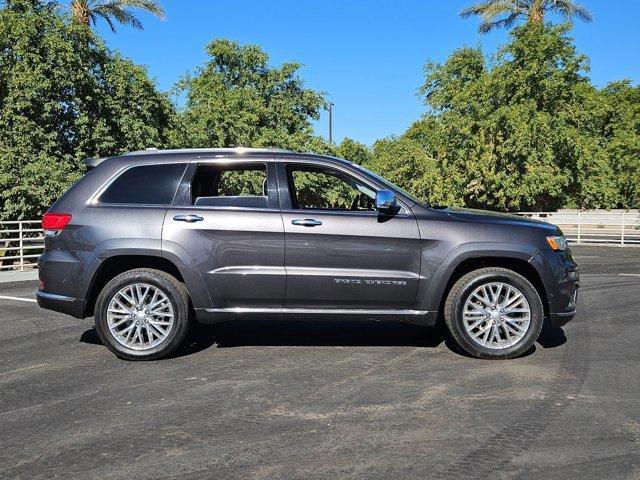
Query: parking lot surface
(324, 400)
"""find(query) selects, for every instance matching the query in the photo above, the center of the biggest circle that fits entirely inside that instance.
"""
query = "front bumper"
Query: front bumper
(557, 320)
(561, 280)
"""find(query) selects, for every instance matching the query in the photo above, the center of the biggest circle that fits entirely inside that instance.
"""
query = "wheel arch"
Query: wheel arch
(472, 256)
(517, 265)
(117, 264)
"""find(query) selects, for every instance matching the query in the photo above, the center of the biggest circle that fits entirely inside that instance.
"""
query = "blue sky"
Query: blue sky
(366, 56)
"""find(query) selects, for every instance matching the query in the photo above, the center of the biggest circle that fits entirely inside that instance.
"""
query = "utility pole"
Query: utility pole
(330, 109)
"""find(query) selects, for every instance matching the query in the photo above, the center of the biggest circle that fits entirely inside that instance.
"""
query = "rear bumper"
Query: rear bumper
(60, 303)
(65, 276)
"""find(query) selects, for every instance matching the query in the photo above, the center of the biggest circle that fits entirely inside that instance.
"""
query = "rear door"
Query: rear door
(340, 252)
(226, 219)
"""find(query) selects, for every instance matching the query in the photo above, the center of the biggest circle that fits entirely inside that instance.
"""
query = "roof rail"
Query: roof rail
(94, 162)
(205, 151)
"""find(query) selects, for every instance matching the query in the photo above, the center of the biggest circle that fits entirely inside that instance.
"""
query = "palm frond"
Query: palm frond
(151, 6)
(105, 17)
(570, 9)
(112, 11)
(496, 13)
(119, 14)
(504, 13)
(507, 22)
(477, 9)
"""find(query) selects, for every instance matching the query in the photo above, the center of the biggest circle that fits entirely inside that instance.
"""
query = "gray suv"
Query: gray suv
(149, 242)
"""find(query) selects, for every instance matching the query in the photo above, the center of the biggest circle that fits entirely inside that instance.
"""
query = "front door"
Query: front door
(340, 252)
(228, 222)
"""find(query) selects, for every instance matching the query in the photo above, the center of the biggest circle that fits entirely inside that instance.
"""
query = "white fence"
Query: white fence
(21, 243)
(613, 227)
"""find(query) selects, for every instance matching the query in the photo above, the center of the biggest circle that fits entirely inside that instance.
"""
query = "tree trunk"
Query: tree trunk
(536, 14)
(80, 12)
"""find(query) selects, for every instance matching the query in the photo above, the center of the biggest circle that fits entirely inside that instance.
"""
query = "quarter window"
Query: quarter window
(145, 184)
(328, 189)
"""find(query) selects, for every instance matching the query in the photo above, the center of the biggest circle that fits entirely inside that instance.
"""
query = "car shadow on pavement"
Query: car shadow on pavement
(200, 338)
(240, 333)
(335, 333)
(551, 337)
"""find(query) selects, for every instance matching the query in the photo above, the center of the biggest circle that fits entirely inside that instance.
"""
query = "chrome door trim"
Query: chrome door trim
(334, 311)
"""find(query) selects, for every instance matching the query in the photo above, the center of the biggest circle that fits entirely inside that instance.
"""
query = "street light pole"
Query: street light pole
(330, 108)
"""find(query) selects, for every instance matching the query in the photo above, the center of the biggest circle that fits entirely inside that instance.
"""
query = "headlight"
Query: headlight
(558, 243)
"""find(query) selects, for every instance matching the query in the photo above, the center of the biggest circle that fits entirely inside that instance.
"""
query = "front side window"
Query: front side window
(230, 186)
(145, 184)
(321, 188)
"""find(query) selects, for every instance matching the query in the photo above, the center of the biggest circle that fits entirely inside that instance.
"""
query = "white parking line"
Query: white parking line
(3, 297)
(629, 274)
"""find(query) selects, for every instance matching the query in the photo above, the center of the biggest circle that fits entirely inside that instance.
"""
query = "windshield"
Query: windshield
(390, 185)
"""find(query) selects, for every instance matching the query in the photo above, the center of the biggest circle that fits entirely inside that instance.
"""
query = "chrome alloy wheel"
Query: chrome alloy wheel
(140, 316)
(496, 315)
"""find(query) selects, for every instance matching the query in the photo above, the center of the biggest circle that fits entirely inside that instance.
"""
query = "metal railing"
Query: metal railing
(583, 227)
(21, 243)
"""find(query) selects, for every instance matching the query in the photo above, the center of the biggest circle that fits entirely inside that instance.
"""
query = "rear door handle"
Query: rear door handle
(307, 222)
(188, 218)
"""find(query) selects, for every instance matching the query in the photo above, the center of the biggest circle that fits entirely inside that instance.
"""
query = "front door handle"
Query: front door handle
(188, 218)
(307, 222)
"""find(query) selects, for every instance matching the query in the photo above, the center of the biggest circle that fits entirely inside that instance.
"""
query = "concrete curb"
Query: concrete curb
(12, 277)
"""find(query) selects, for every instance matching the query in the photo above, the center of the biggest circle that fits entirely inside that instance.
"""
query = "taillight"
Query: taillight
(54, 223)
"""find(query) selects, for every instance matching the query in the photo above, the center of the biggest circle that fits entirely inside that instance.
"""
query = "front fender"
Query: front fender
(430, 296)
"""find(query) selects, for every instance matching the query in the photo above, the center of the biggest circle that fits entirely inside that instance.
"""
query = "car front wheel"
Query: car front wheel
(142, 314)
(494, 313)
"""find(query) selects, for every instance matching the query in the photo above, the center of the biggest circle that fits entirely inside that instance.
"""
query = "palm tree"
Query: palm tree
(504, 13)
(87, 12)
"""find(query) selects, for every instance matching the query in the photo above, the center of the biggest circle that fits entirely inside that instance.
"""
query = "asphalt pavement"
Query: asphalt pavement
(327, 400)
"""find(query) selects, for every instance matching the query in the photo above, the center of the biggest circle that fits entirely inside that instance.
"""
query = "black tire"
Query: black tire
(175, 291)
(464, 287)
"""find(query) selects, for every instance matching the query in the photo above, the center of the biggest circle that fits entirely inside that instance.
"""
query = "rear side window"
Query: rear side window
(146, 184)
(242, 185)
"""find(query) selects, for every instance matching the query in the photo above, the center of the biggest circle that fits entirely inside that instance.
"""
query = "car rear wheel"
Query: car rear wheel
(494, 313)
(142, 314)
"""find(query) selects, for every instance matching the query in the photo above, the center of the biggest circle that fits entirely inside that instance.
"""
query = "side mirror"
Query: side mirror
(385, 201)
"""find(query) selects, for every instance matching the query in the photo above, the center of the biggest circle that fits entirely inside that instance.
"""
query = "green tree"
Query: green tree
(63, 99)
(87, 12)
(353, 151)
(621, 131)
(524, 132)
(237, 99)
(505, 13)
(406, 163)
